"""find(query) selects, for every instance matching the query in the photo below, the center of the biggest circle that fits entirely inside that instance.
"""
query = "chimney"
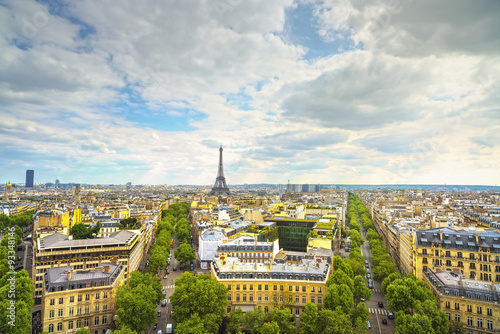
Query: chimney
(70, 237)
(113, 261)
(105, 269)
(68, 274)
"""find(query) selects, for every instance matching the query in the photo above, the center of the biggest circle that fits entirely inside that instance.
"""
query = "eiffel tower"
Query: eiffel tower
(220, 186)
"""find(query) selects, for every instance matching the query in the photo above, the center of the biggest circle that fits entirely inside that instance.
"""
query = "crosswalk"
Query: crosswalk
(168, 287)
(377, 311)
(376, 290)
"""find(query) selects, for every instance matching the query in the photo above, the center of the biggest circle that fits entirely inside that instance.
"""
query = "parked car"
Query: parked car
(368, 325)
(384, 321)
(155, 326)
(192, 267)
(164, 292)
(164, 303)
(370, 285)
(367, 271)
(165, 277)
(159, 313)
(367, 265)
(168, 271)
(366, 261)
(175, 268)
(390, 315)
(368, 276)
(348, 249)
(380, 304)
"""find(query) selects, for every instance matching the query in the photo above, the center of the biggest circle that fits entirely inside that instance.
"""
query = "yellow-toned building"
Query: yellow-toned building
(52, 218)
(472, 252)
(74, 299)
(474, 304)
(406, 251)
(267, 285)
(60, 250)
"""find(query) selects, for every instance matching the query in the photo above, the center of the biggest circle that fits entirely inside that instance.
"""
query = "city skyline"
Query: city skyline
(332, 92)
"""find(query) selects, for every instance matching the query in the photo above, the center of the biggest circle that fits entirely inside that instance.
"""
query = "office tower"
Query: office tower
(30, 175)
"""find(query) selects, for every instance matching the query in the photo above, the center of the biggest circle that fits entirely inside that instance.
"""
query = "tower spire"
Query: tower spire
(220, 186)
(6, 195)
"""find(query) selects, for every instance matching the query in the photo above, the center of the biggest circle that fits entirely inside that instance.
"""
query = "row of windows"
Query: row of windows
(470, 321)
(80, 298)
(266, 310)
(460, 255)
(479, 309)
(71, 310)
(275, 297)
(78, 324)
(275, 287)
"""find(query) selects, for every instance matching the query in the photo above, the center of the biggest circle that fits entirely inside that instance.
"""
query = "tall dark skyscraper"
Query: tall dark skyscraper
(30, 176)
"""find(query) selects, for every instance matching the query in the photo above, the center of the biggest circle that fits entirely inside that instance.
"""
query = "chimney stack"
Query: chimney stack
(68, 274)
(105, 269)
(113, 261)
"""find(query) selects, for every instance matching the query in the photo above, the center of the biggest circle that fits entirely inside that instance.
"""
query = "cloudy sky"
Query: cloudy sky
(334, 91)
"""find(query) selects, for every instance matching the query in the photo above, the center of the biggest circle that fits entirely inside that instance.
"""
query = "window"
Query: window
(275, 287)
(266, 287)
(448, 254)
(61, 301)
(457, 317)
(304, 289)
(447, 304)
(297, 288)
(460, 264)
(457, 306)
(471, 256)
(80, 298)
(251, 297)
(86, 322)
(71, 311)
(281, 287)
(303, 299)
(424, 251)
(104, 307)
(266, 309)
(228, 310)
(290, 288)
(469, 321)
(266, 297)
(51, 314)
(98, 295)
(489, 311)
(251, 287)
(72, 299)
(448, 316)
(436, 253)
(87, 309)
(96, 308)
(260, 287)
(52, 301)
(60, 312)
(59, 327)
(259, 298)
(78, 324)
(313, 299)
(70, 324)
(472, 266)
(237, 298)
(244, 297)
(96, 321)
(237, 287)
(479, 310)
(297, 298)
(104, 319)
(448, 263)
(79, 310)
(312, 288)
(490, 324)
(51, 328)
(469, 308)
(320, 290)
(297, 312)
(87, 297)
(459, 255)
(244, 286)
(104, 295)
(320, 300)
(480, 323)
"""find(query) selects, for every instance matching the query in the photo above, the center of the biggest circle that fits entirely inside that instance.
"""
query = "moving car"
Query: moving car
(368, 270)
(164, 303)
(175, 268)
(169, 328)
(368, 275)
(368, 325)
(191, 268)
(159, 313)
(380, 304)
(166, 276)
(384, 321)
(164, 292)
(168, 271)
(390, 315)
(370, 285)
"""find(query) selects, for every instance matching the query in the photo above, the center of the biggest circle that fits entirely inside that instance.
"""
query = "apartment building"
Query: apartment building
(475, 253)
(85, 298)
(267, 285)
(60, 250)
(473, 303)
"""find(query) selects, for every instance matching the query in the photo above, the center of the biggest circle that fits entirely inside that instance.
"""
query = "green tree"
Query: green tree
(388, 280)
(456, 327)
(254, 320)
(285, 320)
(399, 296)
(340, 277)
(334, 322)
(82, 331)
(124, 330)
(184, 253)
(202, 295)
(439, 319)
(183, 233)
(79, 231)
(383, 270)
(270, 328)
(135, 308)
(407, 324)
(360, 290)
(356, 237)
(339, 296)
(360, 312)
(137, 278)
(360, 327)
(309, 319)
(236, 321)
(158, 258)
(193, 325)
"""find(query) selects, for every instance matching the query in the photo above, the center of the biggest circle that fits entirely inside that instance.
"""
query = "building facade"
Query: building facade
(74, 299)
(264, 286)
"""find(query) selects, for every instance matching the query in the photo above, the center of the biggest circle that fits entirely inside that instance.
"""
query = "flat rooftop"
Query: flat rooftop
(58, 241)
